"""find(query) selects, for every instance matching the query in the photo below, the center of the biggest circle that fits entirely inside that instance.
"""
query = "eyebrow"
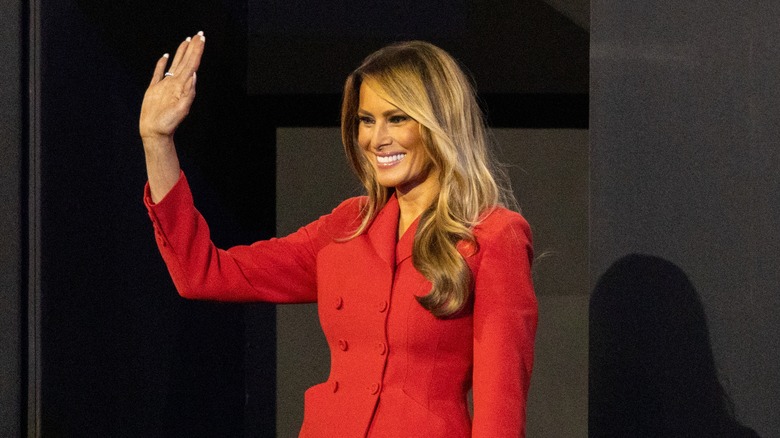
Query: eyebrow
(387, 113)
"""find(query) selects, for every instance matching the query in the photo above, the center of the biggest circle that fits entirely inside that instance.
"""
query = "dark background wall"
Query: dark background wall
(519, 47)
(120, 353)
(684, 166)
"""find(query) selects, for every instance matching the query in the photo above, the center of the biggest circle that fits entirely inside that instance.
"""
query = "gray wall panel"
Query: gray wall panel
(685, 165)
(11, 256)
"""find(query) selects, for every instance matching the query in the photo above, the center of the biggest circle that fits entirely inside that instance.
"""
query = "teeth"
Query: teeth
(389, 159)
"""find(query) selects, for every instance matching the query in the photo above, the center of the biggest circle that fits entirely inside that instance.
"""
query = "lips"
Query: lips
(389, 160)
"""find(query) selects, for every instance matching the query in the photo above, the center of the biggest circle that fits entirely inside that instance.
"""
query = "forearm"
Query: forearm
(162, 165)
(279, 270)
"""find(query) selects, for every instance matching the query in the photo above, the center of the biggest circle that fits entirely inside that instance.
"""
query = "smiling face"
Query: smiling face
(391, 142)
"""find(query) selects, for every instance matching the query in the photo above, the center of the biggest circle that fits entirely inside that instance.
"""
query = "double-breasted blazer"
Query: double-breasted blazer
(396, 370)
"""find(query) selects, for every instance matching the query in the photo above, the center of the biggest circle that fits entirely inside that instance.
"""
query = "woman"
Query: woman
(423, 286)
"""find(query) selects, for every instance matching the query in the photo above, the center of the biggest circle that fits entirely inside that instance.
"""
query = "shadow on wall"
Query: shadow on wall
(652, 372)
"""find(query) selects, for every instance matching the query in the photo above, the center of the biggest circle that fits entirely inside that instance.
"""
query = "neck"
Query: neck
(413, 202)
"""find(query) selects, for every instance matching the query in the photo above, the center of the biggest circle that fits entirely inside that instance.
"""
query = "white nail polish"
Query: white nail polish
(188, 39)
(166, 56)
(200, 33)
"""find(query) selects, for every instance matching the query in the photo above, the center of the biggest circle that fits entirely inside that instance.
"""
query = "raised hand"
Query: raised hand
(166, 103)
(170, 94)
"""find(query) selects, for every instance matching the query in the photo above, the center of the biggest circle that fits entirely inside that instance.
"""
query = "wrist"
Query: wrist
(154, 144)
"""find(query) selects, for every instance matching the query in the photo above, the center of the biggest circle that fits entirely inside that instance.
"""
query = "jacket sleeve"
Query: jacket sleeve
(279, 270)
(505, 319)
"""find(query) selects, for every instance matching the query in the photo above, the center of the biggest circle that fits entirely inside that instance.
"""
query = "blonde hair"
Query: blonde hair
(426, 83)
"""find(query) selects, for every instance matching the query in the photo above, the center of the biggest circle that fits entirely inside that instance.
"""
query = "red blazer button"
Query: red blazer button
(382, 306)
(339, 302)
(343, 345)
(374, 388)
(381, 348)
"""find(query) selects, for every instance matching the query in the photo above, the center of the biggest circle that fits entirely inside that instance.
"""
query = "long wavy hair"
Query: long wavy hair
(426, 83)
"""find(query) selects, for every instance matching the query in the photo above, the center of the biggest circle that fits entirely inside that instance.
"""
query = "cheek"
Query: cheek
(411, 139)
(363, 147)
(413, 143)
(362, 139)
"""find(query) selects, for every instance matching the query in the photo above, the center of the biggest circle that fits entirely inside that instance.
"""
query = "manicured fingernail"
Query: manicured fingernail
(166, 56)
(200, 33)
(203, 38)
(188, 39)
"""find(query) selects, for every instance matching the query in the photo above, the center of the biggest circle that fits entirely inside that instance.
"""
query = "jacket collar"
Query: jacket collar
(383, 234)
(384, 229)
(406, 243)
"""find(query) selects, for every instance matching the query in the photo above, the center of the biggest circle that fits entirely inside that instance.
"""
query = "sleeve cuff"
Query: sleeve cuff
(166, 213)
(180, 188)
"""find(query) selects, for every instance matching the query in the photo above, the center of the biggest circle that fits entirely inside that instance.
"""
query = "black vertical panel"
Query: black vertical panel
(684, 167)
(517, 47)
(123, 355)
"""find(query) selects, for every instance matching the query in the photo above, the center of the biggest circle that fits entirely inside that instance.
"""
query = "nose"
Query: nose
(380, 136)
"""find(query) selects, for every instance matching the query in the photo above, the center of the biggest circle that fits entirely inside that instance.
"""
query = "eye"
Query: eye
(365, 120)
(398, 118)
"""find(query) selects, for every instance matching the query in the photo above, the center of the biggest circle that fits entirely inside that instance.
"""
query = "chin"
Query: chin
(388, 181)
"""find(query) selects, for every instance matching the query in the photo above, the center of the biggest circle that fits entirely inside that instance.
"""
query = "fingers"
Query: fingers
(194, 52)
(190, 60)
(188, 95)
(159, 69)
(179, 54)
(185, 62)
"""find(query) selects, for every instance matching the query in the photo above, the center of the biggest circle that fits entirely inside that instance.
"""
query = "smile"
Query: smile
(389, 160)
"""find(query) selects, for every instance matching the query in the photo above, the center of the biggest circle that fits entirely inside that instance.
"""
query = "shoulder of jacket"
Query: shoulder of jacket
(340, 223)
(499, 221)
(349, 210)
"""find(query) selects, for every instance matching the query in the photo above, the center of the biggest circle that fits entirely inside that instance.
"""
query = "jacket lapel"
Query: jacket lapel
(406, 242)
(383, 231)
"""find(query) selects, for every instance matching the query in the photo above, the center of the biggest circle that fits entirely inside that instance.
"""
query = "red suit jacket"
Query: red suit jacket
(396, 370)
